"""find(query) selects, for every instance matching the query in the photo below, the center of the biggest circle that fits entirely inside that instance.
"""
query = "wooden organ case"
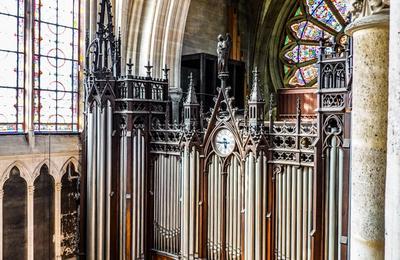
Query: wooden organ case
(226, 186)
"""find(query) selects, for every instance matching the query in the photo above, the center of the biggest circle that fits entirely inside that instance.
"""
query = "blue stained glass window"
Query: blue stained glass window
(12, 65)
(56, 62)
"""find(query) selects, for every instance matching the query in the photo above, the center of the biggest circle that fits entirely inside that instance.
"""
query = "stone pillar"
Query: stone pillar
(57, 221)
(370, 33)
(30, 222)
(1, 222)
(392, 201)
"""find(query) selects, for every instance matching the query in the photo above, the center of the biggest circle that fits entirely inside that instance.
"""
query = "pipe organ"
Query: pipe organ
(224, 186)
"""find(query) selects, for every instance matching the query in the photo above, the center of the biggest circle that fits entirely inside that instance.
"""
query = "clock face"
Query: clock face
(224, 142)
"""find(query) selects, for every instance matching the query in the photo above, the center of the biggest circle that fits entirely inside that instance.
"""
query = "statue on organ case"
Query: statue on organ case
(223, 49)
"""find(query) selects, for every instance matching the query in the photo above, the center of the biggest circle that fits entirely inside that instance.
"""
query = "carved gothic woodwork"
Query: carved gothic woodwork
(218, 185)
(333, 148)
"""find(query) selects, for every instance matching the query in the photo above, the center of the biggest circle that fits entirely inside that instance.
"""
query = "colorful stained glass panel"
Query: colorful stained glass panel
(308, 31)
(342, 6)
(302, 53)
(321, 11)
(313, 20)
(309, 73)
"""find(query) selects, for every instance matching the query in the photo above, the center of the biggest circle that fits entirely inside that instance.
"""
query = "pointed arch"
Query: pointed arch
(76, 164)
(23, 171)
(53, 169)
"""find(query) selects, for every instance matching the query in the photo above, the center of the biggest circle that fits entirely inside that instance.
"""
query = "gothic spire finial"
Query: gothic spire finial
(166, 70)
(191, 96)
(148, 69)
(255, 94)
(129, 65)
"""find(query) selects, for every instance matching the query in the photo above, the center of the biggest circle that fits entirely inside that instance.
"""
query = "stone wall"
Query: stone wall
(206, 19)
(57, 153)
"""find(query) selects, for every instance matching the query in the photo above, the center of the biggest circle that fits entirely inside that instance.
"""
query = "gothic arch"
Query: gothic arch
(76, 164)
(24, 173)
(267, 47)
(166, 22)
(53, 170)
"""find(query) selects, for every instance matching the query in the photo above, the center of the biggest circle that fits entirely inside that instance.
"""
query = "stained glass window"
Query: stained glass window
(56, 42)
(309, 22)
(12, 65)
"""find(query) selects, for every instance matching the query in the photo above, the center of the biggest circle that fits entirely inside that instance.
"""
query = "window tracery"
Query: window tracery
(312, 20)
(54, 26)
(56, 62)
(12, 54)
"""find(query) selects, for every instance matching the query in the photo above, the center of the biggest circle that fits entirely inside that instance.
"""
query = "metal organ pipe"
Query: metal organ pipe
(310, 204)
(258, 206)
(334, 175)
(284, 200)
(265, 207)
(101, 117)
(144, 191)
(340, 200)
(134, 196)
(192, 202)
(236, 213)
(278, 213)
(186, 207)
(108, 178)
(94, 180)
(304, 213)
(332, 200)
(299, 213)
(156, 202)
(288, 210)
(90, 198)
(123, 175)
(294, 211)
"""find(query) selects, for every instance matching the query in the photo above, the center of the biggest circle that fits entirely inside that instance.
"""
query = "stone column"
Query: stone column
(1, 222)
(369, 129)
(392, 201)
(57, 221)
(30, 222)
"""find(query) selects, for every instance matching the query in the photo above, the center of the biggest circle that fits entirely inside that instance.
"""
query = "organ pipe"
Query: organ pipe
(108, 179)
(123, 175)
(90, 247)
(101, 117)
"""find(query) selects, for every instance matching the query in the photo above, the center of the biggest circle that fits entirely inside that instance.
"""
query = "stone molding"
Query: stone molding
(363, 8)
(371, 21)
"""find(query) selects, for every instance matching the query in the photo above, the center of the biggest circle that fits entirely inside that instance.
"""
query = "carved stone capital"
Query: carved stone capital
(362, 8)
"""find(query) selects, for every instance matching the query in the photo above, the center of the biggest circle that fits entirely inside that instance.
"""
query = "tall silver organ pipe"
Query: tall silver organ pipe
(108, 193)
(90, 194)
(122, 180)
(99, 180)
(334, 199)
(294, 204)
